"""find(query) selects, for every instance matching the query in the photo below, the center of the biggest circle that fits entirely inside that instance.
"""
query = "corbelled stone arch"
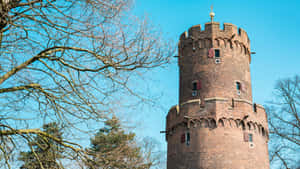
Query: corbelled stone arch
(236, 45)
(197, 123)
(221, 122)
(217, 42)
(226, 122)
(245, 49)
(238, 123)
(228, 43)
(201, 43)
(259, 128)
(207, 43)
(232, 123)
(222, 43)
(255, 127)
(263, 131)
(212, 123)
(267, 135)
(252, 125)
(241, 48)
(204, 123)
(242, 125)
(249, 126)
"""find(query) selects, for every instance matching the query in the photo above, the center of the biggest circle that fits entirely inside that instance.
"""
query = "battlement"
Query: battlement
(216, 124)
(212, 32)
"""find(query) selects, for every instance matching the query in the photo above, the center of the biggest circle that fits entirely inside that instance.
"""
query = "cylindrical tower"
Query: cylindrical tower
(216, 125)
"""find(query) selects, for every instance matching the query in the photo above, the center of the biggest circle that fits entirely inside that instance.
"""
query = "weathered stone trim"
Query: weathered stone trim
(260, 106)
(215, 99)
(191, 101)
(243, 100)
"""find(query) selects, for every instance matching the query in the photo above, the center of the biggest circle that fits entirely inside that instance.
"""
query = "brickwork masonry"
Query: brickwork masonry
(209, 127)
(233, 116)
(213, 37)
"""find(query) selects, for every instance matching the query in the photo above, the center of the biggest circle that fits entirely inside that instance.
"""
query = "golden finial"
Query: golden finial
(212, 14)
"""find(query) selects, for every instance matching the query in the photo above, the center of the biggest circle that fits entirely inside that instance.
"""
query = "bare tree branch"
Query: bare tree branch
(74, 62)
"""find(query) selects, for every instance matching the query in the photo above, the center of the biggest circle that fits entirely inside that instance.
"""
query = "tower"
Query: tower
(216, 125)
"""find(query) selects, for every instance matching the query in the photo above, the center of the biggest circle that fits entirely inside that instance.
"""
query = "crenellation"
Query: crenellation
(230, 34)
(212, 124)
(229, 28)
(183, 36)
(194, 31)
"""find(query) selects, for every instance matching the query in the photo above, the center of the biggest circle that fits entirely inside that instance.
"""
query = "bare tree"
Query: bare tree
(68, 61)
(284, 122)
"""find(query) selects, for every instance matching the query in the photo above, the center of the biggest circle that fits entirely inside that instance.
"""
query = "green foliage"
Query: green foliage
(112, 147)
(44, 151)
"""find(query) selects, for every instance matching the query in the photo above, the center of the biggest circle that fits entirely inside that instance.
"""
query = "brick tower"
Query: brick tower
(216, 125)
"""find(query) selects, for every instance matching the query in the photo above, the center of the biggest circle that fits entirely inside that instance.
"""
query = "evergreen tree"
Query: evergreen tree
(113, 148)
(44, 151)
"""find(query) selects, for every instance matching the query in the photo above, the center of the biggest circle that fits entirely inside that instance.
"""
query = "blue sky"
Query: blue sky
(272, 27)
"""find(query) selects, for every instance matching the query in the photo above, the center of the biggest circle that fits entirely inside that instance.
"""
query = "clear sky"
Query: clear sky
(273, 29)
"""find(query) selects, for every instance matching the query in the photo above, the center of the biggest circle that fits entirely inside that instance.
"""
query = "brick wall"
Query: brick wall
(217, 114)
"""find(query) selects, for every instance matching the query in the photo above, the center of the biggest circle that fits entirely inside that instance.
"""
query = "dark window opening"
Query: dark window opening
(188, 138)
(254, 107)
(238, 86)
(217, 53)
(195, 85)
(250, 137)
